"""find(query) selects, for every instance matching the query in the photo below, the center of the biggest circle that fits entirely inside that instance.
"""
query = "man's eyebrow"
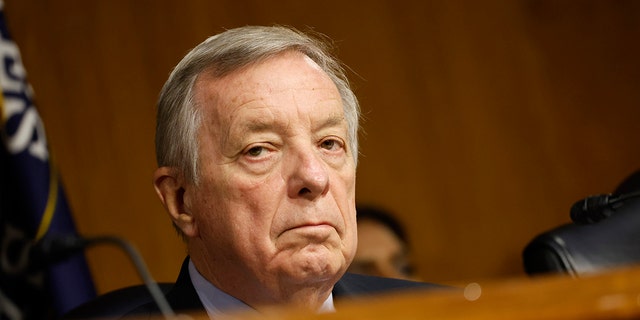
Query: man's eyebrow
(258, 124)
(334, 120)
(261, 124)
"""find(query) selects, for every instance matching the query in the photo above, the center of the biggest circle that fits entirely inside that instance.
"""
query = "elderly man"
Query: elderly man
(257, 151)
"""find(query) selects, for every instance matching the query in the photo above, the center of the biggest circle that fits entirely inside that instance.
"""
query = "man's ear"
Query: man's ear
(170, 188)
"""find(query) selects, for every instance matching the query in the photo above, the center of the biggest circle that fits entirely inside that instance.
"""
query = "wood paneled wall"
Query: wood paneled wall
(484, 120)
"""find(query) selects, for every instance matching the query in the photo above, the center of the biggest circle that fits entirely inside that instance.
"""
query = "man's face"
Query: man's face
(275, 204)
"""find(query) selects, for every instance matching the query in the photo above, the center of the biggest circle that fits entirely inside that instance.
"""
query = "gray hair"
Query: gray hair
(179, 119)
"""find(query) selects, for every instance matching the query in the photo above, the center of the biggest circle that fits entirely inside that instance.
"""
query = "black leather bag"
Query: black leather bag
(580, 249)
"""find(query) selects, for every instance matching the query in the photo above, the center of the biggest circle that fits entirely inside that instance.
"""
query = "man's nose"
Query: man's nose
(309, 177)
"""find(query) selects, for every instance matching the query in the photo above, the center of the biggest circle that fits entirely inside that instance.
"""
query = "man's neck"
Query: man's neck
(218, 302)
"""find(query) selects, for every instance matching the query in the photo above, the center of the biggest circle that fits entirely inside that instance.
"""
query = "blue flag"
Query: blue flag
(32, 204)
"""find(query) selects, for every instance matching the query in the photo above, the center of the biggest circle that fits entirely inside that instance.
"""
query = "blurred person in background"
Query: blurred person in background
(383, 247)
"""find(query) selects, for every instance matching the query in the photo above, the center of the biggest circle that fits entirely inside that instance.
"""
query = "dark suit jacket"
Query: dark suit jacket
(182, 296)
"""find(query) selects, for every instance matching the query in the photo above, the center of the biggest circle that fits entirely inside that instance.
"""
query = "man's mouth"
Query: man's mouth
(311, 227)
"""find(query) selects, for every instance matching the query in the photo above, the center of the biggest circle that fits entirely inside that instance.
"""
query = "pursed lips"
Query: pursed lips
(310, 225)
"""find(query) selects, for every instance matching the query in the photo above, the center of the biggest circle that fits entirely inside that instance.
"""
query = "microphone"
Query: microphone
(54, 249)
(23, 256)
(51, 250)
(598, 207)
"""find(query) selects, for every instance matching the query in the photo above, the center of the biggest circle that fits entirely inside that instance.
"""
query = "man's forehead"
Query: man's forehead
(287, 71)
(273, 91)
(214, 72)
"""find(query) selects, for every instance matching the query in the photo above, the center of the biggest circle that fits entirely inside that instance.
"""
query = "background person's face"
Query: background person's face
(276, 201)
(380, 252)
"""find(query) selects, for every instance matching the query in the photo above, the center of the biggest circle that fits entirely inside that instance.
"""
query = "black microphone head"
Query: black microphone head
(53, 249)
(591, 209)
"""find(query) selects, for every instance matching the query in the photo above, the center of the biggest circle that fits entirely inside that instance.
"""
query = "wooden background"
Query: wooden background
(485, 120)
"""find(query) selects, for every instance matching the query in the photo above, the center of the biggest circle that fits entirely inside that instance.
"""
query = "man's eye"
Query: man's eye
(255, 151)
(330, 144)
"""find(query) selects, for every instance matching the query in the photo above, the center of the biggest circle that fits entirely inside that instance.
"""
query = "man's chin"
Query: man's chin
(315, 265)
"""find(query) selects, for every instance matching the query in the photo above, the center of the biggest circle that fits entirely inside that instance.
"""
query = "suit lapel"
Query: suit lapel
(183, 295)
